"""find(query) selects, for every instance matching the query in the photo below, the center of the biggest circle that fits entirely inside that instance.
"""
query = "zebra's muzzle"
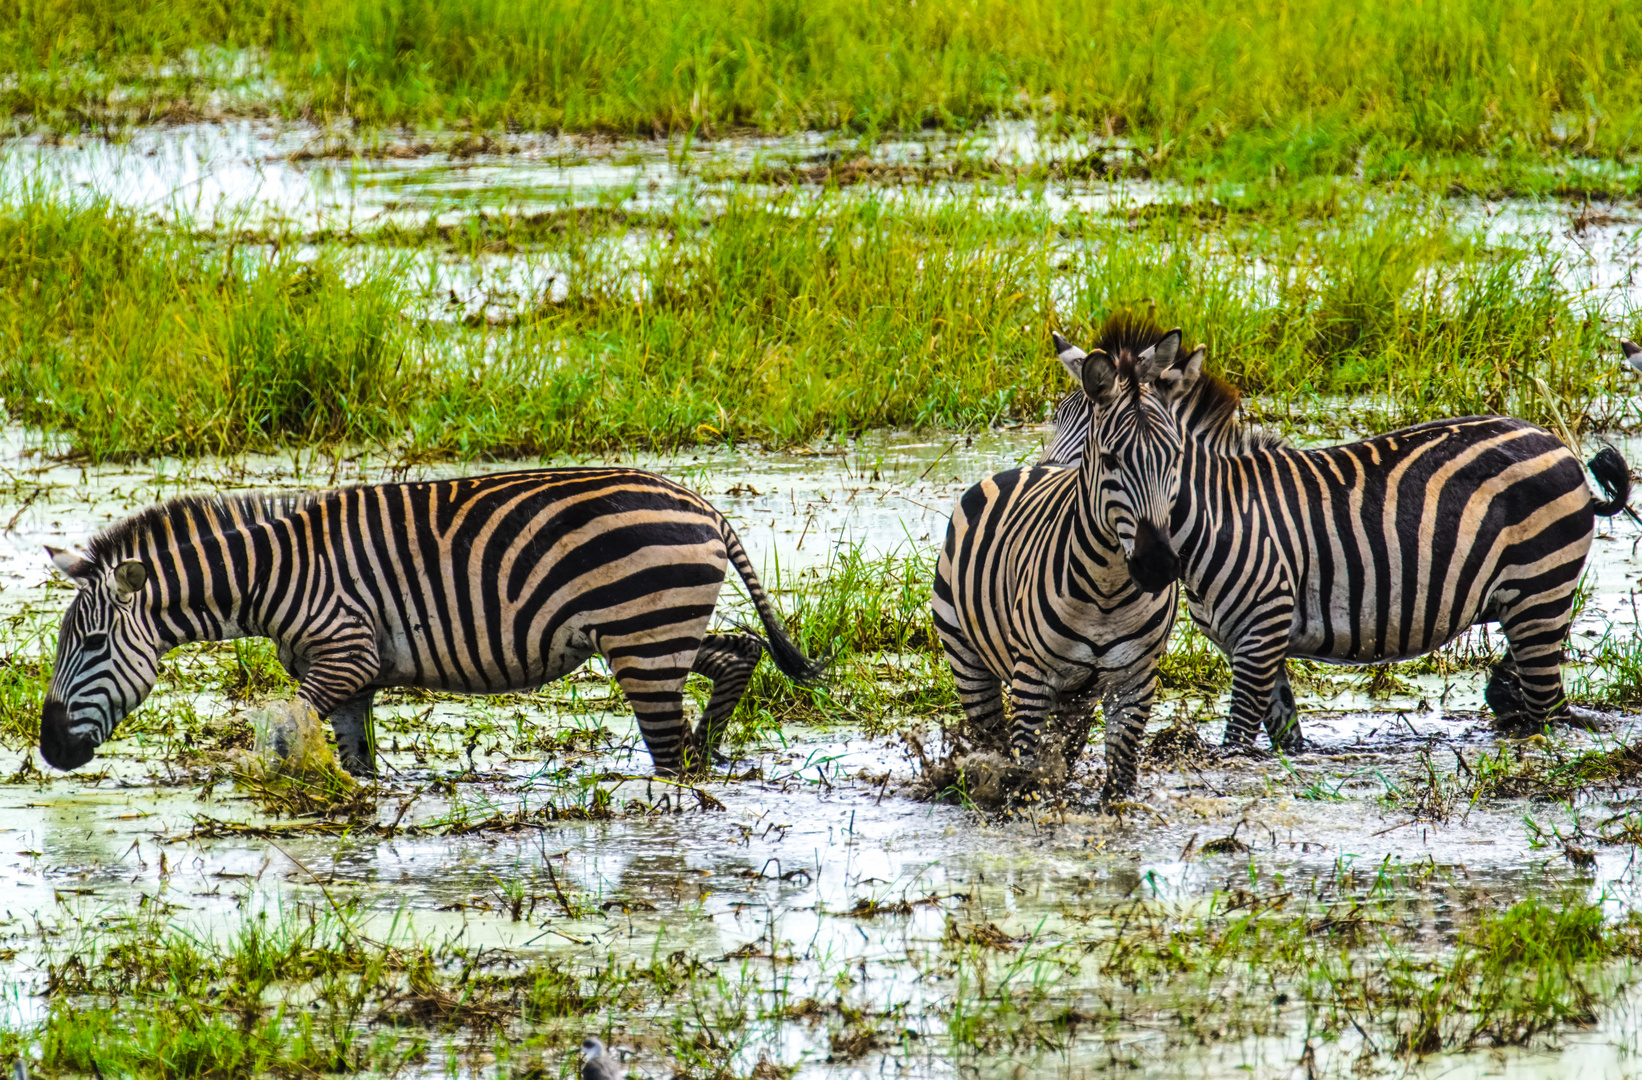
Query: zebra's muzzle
(1153, 562)
(62, 749)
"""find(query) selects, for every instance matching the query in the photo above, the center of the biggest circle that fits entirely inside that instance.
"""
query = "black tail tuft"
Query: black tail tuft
(1613, 476)
(788, 657)
(792, 661)
(786, 654)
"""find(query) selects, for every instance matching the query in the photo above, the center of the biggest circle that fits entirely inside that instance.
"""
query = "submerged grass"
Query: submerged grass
(1250, 92)
(780, 318)
(1393, 963)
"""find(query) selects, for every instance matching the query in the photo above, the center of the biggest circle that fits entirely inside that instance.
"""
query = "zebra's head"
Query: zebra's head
(1132, 445)
(107, 658)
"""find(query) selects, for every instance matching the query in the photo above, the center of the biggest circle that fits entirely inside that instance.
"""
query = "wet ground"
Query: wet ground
(817, 821)
(931, 939)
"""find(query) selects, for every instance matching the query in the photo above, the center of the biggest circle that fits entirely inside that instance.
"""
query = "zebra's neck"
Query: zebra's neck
(1100, 551)
(219, 566)
(1217, 507)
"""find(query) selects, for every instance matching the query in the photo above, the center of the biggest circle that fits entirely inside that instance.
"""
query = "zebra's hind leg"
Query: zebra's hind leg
(1126, 714)
(728, 660)
(356, 734)
(1534, 634)
(1283, 716)
(1504, 694)
(654, 687)
(980, 695)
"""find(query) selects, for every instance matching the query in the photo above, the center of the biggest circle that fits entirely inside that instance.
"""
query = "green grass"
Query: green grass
(778, 319)
(1249, 91)
(145, 341)
(1412, 962)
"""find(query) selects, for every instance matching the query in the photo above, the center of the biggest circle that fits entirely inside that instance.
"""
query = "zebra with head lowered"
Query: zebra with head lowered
(1382, 550)
(479, 585)
(1059, 582)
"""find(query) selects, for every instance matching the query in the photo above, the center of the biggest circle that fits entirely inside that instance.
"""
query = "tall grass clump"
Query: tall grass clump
(141, 340)
(1273, 87)
(776, 320)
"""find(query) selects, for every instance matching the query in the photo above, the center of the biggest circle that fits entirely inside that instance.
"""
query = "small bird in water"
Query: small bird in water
(597, 1064)
(1633, 354)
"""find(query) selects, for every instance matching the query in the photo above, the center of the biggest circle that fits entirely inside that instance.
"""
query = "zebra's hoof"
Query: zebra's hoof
(1240, 749)
(359, 769)
(1585, 720)
(1504, 694)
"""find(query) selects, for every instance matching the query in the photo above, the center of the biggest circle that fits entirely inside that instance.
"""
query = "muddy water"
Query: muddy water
(256, 172)
(823, 822)
(820, 824)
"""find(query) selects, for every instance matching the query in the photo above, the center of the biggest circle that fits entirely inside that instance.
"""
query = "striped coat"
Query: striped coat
(478, 585)
(1057, 583)
(1383, 549)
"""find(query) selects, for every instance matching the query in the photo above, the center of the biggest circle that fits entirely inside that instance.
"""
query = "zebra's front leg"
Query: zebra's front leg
(1283, 716)
(1127, 712)
(356, 734)
(1034, 698)
(335, 677)
(980, 693)
(1257, 665)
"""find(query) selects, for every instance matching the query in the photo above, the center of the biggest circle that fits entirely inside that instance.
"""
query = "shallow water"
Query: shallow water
(825, 821)
(825, 824)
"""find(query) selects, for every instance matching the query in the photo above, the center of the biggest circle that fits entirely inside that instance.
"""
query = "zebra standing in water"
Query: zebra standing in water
(1060, 582)
(1382, 550)
(479, 585)
(1073, 416)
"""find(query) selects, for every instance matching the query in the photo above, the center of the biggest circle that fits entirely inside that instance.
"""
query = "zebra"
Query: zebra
(1073, 416)
(480, 585)
(1060, 582)
(1380, 550)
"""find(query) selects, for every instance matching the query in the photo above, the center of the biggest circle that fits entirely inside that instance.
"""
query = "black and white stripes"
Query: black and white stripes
(476, 585)
(1381, 550)
(1059, 582)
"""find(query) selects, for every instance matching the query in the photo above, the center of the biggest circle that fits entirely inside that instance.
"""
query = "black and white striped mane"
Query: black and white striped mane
(224, 510)
(1210, 414)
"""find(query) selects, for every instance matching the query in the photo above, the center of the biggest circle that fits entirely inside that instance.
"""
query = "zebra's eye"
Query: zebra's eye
(1109, 462)
(94, 642)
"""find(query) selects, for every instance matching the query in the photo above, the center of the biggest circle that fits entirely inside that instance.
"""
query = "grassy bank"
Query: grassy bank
(1287, 88)
(781, 319)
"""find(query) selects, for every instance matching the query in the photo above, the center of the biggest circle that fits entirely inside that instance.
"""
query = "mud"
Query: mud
(811, 826)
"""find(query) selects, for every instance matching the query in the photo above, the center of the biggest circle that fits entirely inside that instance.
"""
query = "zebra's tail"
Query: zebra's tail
(1614, 477)
(783, 650)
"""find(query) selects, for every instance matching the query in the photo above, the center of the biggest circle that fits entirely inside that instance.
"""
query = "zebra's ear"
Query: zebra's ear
(1071, 357)
(80, 569)
(1099, 378)
(1159, 358)
(128, 578)
(1176, 381)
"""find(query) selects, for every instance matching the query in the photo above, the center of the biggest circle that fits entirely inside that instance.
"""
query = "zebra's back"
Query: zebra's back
(1396, 544)
(507, 581)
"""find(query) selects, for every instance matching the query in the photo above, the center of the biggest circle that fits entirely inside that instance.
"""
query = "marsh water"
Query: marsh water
(812, 872)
